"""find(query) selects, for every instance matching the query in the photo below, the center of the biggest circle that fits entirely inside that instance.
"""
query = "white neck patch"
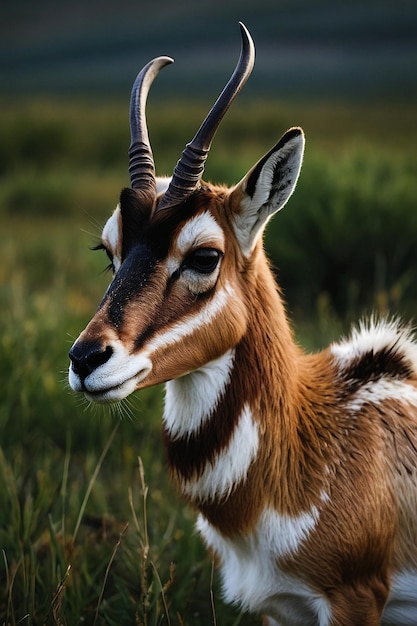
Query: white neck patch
(230, 466)
(191, 399)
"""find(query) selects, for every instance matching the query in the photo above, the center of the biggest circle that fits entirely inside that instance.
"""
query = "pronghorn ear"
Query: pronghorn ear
(266, 188)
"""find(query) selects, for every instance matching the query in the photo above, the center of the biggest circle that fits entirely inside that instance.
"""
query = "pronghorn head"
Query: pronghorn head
(183, 254)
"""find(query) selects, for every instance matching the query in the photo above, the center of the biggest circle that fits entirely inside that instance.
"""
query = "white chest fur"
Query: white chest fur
(189, 403)
(251, 575)
(250, 571)
(401, 609)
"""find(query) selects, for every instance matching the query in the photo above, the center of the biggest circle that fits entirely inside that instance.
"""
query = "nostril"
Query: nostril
(88, 356)
(98, 358)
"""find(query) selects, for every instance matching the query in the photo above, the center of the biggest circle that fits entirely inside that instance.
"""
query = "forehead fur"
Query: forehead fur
(196, 222)
(200, 230)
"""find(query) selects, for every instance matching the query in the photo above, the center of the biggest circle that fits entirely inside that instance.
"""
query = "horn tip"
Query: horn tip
(244, 31)
(164, 60)
(247, 43)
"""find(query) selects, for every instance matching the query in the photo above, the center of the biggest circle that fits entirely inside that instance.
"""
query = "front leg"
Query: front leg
(358, 603)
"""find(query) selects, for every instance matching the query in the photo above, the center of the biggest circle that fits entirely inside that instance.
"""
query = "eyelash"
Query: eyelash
(110, 266)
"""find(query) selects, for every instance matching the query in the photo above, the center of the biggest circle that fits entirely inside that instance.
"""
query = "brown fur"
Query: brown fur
(322, 504)
(310, 444)
(313, 453)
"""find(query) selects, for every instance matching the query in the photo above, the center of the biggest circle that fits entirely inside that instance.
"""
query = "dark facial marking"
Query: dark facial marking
(146, 239)
(135, 215)
(129, 281)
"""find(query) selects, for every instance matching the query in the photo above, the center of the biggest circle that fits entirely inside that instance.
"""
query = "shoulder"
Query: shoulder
(377, 349)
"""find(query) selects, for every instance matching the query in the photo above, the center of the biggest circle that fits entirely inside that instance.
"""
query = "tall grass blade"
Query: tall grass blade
(92, 481)
(116, 547)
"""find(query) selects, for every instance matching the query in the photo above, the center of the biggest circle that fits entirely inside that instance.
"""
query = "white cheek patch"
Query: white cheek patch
(123, 366)
(193, 322)
(191, 400)
(230, 466)
(111, 237)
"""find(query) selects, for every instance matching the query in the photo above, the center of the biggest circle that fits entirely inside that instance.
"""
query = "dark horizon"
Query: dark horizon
(360, 50)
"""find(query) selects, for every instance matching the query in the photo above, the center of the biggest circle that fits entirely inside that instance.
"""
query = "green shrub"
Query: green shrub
(349, 231)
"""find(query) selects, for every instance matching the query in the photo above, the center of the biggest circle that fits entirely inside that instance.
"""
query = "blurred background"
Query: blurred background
(344, 246)
(318, 49)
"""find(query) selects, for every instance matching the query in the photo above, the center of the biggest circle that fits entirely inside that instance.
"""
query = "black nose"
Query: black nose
(86, 356)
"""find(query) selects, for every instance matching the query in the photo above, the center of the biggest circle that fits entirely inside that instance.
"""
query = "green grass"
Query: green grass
(74, 539)
(82, 537)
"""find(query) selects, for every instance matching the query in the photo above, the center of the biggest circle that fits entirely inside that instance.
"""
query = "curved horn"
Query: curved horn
(141, 163)
(190, 167)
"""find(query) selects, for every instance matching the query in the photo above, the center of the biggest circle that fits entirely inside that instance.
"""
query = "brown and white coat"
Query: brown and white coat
(302, 467)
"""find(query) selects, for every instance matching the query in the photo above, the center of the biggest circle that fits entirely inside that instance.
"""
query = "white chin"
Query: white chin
(113, 394)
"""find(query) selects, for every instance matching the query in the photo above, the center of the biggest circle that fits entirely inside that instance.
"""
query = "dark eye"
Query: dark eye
(202, 260)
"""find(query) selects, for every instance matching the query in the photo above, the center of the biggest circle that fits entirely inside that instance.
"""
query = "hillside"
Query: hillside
(322, 49)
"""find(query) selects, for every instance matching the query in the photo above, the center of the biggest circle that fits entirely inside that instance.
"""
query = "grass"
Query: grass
(88, 533)
(81, 536)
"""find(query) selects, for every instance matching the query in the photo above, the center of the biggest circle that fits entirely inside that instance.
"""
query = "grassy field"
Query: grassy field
(88, 532)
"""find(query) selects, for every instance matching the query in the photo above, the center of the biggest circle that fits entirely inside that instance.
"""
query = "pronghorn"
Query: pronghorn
(302, 467)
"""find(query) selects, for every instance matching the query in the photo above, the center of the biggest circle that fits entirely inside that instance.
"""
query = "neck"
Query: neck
(230, 429)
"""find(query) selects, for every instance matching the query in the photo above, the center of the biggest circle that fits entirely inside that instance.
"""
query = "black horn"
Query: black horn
(141, 162)
(190, 167)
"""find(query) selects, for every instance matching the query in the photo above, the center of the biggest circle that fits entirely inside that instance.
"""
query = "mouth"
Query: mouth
(111, 394)
(104, 386)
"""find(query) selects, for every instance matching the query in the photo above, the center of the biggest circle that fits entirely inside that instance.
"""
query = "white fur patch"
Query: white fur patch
(251, 575)
(230, 466)
(200, 231)
(191, 399)
(374, 336)
(401, 608)
(381, 390)
(111, 237)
